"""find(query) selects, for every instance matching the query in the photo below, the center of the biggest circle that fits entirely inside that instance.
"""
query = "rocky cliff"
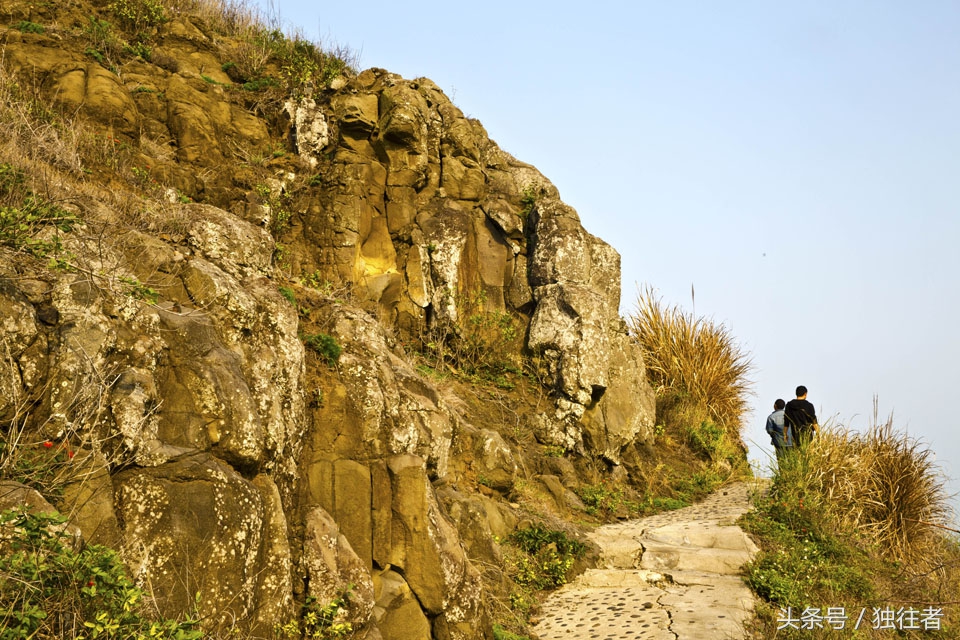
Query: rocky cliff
(250, 333)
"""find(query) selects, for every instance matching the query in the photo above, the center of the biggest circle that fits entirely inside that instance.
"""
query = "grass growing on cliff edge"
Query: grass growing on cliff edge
(692, 362)
(857, 521)
(701, 379)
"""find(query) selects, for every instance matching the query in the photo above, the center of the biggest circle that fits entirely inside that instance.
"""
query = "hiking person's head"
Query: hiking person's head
(779, 404)
(801, 392)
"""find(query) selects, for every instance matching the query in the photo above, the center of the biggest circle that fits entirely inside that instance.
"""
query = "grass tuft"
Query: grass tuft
(691, 361)
(854, 520)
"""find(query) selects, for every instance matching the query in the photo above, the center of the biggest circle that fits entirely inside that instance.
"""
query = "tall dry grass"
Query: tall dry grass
(226, 17)
(882, 484)
(259, 37)
(691, 361)
(32, 132)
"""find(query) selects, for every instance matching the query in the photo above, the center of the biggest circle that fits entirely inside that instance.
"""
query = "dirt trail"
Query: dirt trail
(672, 576)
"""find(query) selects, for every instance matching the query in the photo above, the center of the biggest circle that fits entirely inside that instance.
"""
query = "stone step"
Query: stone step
(663, 557)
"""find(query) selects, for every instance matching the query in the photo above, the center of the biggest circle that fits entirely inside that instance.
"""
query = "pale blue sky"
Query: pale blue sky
(797, 162)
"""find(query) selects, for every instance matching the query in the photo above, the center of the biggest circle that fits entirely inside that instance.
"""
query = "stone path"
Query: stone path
(672, 576)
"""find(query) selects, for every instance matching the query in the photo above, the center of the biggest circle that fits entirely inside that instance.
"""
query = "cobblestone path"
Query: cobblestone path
(672, 576)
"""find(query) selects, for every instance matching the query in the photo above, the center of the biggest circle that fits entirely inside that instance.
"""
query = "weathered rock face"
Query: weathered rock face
(204, 441)
(426, 215)
(197, 526)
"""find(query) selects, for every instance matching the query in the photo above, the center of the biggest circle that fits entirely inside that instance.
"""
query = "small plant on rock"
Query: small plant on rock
(288, 294)
(528, 201)
(325, 346)
(324, 621)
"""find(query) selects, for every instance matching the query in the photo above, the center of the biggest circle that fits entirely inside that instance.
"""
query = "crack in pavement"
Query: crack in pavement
(686, 561)
(669, 617)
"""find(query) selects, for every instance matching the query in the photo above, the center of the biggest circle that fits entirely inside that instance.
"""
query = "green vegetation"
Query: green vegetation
(28, 222)
(50, 589)
(25, 26)
(484, 344)
(139, 50)
(136, 289)
(539, 559)
(260, 84)
(854, 521)
(325, 346)
(43, 465)
(139, 15)
(105, 44)
(276, 204)
(319, 621)
(528, 200)
(499, 633)
(601, 498)
(604, 500)
(287, 293)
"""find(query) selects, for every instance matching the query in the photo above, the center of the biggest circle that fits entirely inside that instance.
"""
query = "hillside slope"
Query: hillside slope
(278, 331)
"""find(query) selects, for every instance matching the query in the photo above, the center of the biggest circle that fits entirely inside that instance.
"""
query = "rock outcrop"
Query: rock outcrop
(167, 353)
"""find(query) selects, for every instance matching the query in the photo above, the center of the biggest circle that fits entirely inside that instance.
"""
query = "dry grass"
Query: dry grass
(30, 130)
(855, 520)
(881, 483)
(691, 361)
(227, 17)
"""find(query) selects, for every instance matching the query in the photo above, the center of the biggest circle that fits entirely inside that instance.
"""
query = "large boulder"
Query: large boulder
(197, 526)
(577, 327)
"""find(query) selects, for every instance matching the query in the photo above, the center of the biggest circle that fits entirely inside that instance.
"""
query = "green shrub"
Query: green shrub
(27, 219)
(548, 555)
(707, 437)
(601, 498)
(25, 26)
(287, 293)
(325, 346)
(138, 15)
(317, 620)
(534, 538)
(138, 50)
(49, 589)
(484, 342)
(528, 200)
(260, 84)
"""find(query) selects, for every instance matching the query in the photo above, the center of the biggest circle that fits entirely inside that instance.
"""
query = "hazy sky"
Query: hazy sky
(798, 163)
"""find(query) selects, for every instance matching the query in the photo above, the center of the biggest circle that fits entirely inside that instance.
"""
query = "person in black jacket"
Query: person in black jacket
(801, 417)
